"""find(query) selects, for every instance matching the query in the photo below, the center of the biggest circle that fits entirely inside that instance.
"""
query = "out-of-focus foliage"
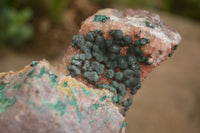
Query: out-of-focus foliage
(14, 23)
(190, 8)
(16, 26)
(55, 9)
(101, 2)
(15, 16)
(187, 8)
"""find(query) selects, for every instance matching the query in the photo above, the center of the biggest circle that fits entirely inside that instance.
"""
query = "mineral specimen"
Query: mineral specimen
(109, 57)
(130, 45)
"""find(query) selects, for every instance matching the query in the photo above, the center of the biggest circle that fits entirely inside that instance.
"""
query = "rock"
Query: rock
(148, 25)
(128, 44)
(40, 99)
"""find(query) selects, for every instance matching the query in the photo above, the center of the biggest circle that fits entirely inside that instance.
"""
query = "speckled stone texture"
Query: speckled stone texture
(37, 99)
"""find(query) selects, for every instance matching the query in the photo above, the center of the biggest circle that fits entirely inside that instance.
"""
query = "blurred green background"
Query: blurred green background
(169, 100)
(17, 16)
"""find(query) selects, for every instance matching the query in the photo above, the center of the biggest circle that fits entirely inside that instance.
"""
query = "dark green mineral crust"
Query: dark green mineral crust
(174, 48)
(34, 63)
(100, 18)
(105, 54)
(160, 24)
(124, 124)
(137, 35)
(110, 73)
(149, 25)
(92, 77)
(122, 89)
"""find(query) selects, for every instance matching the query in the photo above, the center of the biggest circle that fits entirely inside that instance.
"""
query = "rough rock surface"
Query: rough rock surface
(139, 24)
(36, 99)
(41, 98)
(162, 37)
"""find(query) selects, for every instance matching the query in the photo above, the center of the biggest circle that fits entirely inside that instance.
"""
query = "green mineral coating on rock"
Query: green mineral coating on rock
(76, 62)
(99, 57)
(95, 106)
(137, 35)
(29, 75)
(74, 70)
(87, 92)
(107, 52)
(128, 39)
(103, 98)
(136, 44)
(122, 89)
(34, 63)
(144, 41)
(98, 30)
(114, 49)
(175, 47)
(139, 51)
(43, 71)
(5, 102)
(39, 109)
(2, 86)
(92, 121)
(77, 56)
(116, 34)
(115, 97)
(18, 86)
(91, 77)
(73, 45)
(141, 59)
(99, 68)
(59, 107)
(160, 24)
(124, 124)
(112, 89)
(99, 41)
(21, 74)
(115, 84)
(125, 103)
(65, 84)
(52, 77)
(75, 103)
(120, 98)
(69, 101)
(100, 18)
(126, 108)
(149, 25)
(130, 101)
(72, 58)
(53, 80)
(170, 55)
(82, 57)
(119, 76)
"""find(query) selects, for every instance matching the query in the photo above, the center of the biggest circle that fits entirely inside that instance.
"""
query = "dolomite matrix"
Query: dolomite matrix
(101, 71)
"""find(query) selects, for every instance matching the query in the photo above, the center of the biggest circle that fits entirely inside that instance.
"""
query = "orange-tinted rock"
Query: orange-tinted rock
(137, 24)
(162, 37)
